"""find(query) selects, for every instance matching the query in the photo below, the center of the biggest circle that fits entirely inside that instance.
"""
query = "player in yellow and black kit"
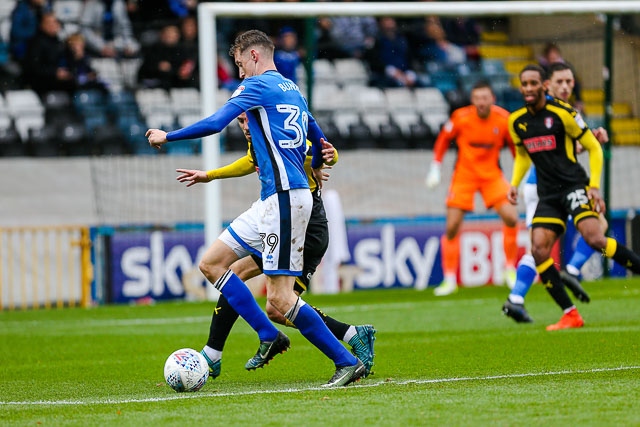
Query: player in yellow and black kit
(544, 132)
(360, 338)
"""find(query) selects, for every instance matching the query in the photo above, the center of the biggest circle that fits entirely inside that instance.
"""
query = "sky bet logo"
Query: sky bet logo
(158, 269)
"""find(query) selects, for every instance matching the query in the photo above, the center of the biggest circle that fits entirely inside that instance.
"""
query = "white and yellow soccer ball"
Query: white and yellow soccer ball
(186, 370)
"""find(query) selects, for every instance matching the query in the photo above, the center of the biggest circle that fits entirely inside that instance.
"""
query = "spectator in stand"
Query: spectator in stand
(77, 63)
(346, 36)
(107, 29)
(165, 64)
(42, 69)
(183, 8)
(25, 19)
(188, 74)
(287, 56)
(430, 45)
(550, 54)
(390, 59)
(463, 32)
(225, 74)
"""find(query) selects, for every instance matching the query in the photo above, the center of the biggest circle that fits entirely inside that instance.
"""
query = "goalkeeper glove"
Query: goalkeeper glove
(433, 177)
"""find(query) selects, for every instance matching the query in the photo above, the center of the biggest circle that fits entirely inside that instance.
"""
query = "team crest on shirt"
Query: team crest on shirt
(237, 92)
(496, 131)
(448, 126)
(548, 122)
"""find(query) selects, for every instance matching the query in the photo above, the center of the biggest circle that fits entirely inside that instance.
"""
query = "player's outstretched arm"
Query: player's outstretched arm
(241, 167)
(156, 137)
(192, 176)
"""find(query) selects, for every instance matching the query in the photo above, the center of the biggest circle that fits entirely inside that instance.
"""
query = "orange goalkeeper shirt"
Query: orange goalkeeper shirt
(479, 142)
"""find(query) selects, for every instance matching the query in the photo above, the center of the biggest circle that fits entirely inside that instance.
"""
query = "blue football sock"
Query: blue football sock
(311, 326)
(243, 302)
(525, 275)
(582, 253)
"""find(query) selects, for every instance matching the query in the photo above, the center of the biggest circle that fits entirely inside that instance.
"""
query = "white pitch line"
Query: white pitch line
(366, 384)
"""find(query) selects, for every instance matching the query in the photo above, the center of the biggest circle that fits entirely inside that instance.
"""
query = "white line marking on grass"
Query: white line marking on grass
(200, 395)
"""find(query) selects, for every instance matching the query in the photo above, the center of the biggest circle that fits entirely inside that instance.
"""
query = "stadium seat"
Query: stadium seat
(492, 67)
(435, 121)
(75, 140)
(161, 120)
(23, 102)
(444, 80)
(89, 102)
(344, 120)
(129, 68)
(400, 100)
(360, 137)
(368, 99)
(186, 101)
(108, 140)
(421, 135)
(351, 72)
(325, 97)
(404, 119)
(332, 132)
(187, 147)
(391, 136)
(109, 71)
(431, 100)
(136, 141)
(25, 123)
(324, 72)
(374, 120)
(68, 10)
(43, 141)
(10, 143)
(94, 119)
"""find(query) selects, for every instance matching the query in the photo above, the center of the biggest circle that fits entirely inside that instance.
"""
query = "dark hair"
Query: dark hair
(536, 68)
(251, 38)
(548, 48)
(482, 84)
(558, 66)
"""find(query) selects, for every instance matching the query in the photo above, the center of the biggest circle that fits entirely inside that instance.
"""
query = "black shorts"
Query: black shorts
(554, 209)
(316, 242)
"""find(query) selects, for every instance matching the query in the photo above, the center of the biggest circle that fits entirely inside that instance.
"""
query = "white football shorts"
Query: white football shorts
(274, 228)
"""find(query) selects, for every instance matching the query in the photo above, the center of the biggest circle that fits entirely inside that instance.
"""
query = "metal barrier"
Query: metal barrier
(44, 267)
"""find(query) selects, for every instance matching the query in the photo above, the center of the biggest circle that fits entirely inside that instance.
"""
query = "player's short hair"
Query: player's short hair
(536, 68)
(251, 38)
(558, 66)
(482, 84)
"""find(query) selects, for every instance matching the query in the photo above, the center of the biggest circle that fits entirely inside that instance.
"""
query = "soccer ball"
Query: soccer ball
(186, 370)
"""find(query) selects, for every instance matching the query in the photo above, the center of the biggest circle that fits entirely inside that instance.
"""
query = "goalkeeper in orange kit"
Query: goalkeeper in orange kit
(480, 131)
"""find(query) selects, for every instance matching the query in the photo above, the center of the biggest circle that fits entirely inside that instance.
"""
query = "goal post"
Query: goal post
(208, 12)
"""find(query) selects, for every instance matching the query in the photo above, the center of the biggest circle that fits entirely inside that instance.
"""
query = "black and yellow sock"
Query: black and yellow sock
(224, 316)
(550, 278)
(622, 255)
(337, 328)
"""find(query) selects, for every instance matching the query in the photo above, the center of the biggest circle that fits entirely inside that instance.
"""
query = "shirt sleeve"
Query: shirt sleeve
(446, 135)
(520, 165)
(314, 134)
(208, 126)
(591, 144)
(241, 167)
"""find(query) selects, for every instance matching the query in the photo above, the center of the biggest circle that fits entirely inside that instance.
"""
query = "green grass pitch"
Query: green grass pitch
(439, 361)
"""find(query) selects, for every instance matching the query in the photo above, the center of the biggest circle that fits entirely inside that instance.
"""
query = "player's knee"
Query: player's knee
(596, 241)
(540, 253)
(210, 271)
